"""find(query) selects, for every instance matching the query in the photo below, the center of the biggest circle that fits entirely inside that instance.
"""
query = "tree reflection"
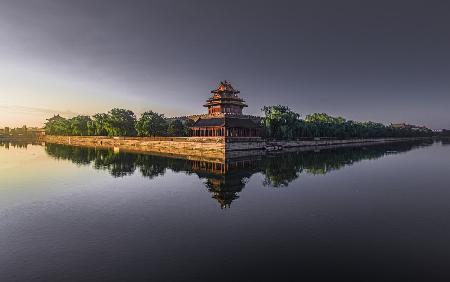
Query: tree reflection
(152, 166)
(282, 169)
(226, 180)
(17, 144)
(77, 155)
(117, 164)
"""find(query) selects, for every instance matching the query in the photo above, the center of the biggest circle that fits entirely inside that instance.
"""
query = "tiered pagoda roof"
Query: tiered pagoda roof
(225, 117)
(225, 94)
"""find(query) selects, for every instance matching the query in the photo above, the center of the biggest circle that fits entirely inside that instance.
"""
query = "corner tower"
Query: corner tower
(225, 100)
(225, 118)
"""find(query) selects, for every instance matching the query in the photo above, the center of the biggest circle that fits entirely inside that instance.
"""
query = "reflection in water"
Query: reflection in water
(226, 180)
(17, 144)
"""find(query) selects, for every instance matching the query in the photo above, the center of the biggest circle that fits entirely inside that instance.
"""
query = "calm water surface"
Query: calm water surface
(378, 213)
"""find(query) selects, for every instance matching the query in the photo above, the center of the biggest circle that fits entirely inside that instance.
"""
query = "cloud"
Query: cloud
(17, 116)
(15, 109)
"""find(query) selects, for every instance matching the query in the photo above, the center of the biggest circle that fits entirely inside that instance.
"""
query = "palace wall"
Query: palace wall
(208, 148)
(239, 145)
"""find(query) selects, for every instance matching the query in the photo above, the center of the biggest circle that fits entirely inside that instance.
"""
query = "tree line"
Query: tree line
(445, 133)
(117, 122)
(280, 122)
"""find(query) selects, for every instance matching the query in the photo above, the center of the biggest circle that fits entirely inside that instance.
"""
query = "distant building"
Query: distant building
(19, 131)
(399, 125)
(23, 131)
(225, 117)
(409, 126)
(36, 132)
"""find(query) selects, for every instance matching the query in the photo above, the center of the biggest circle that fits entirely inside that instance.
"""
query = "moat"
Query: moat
(96, 214)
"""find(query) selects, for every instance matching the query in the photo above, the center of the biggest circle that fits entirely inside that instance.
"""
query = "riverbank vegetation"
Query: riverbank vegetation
(445, 133)
(280, 122)
(117, 122)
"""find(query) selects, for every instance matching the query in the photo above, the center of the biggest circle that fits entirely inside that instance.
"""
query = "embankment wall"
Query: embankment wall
(214, 148)
(208, 148)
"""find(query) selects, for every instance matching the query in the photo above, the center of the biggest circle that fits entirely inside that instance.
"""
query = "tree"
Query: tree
(322, 117)
(120, 122)
(151, 124)
(187, 124)
(79, 125)
(176, 128)
(98, 125)
(280, 122)
(57, 125)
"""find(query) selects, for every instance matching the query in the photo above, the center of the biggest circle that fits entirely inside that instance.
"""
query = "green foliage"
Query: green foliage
(117, 122)
(445, 133)
(187, 124)
(98, 125)
(176, 128)
(282, 123)
(279, 122)
(57, 125)
(151, 124)
(120, 122)
(324, 118)
(79, 125)
(179, 127)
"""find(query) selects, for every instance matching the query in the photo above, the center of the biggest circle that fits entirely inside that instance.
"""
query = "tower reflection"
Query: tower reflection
(225, 180)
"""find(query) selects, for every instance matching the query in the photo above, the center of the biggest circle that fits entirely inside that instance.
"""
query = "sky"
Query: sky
(385, 61)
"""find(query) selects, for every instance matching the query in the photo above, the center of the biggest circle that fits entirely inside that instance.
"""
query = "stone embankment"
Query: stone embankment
(328, 142)
(205, 148)
(212, 148)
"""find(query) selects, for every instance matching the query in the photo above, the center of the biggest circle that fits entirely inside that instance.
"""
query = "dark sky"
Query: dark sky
(386, 61)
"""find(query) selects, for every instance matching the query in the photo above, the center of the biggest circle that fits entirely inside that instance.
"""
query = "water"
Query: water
(378, 213)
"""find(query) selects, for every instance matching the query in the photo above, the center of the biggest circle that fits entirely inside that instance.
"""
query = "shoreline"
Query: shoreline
(215, 149)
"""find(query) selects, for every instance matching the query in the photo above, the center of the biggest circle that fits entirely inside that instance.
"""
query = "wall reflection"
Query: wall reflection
(227, 179)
